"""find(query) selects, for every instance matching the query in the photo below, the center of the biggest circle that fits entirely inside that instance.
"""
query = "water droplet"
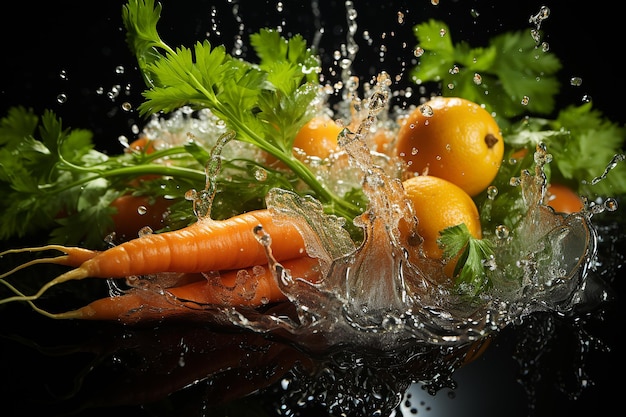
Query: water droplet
(418, 51)
(474, 13)
(525, 100)
(576, 81)
(426, 110)
(610, 204)
(123, 140)
(260, 174)
(141, 210)
(145, 231)
(126, 106)
(191, 195)
(478, 79)
(492, 192)
(62, 98)
(63, 75)
(502, 232)
(119, 69)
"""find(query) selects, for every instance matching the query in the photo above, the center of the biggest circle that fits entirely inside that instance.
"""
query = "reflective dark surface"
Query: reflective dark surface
(90, 369)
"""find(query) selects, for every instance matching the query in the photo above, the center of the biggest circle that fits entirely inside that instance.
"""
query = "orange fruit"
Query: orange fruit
(318, 137)
(440, 204)
(563, 199)
(454, 139)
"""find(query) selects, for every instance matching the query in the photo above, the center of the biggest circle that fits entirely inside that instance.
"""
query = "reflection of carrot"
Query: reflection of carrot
(249, 287)
(563, 199)
(207, 245)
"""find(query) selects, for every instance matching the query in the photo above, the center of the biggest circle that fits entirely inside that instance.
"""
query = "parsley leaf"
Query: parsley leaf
(500, 76)
(265, 104)
(470, 274)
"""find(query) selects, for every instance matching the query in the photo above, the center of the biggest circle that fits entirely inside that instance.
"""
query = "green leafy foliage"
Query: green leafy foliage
(470, 276)
(264, 104)
(500, 76)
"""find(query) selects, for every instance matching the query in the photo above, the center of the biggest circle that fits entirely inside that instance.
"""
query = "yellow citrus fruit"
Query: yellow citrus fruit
(455, 139)
(318, 137)
(440, 204)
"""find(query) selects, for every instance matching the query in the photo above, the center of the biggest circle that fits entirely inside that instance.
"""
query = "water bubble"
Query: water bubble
(62, 98)
(576, 81)
(141, 210)
(525, 100)
(260, 174)
(515, 181)
(63, 75)
(610, 204)
(454, 70)
(478, 79)
(191, 195)
(400, 17)
(502, 232)
(126, 106)
(442, 32)
(474, 13)
(586, 98)
(123, 140)
(145, 231)
(426, 110)
(492, 192)
(543, 14)
(119, 69)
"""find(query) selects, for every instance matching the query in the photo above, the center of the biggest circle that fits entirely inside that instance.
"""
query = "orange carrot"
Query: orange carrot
(207, 245)
(249, 287)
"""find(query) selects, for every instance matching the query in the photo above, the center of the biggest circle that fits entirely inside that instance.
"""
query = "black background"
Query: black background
(85, 40)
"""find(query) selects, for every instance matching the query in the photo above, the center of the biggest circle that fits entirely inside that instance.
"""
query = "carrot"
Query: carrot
(207, 245)
(249, 287)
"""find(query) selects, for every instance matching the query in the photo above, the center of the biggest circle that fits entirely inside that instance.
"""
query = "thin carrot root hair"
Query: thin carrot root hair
(72, 275)
(72, 256)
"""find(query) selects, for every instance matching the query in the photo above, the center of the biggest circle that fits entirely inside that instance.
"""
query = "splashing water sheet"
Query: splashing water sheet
(376, 336)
